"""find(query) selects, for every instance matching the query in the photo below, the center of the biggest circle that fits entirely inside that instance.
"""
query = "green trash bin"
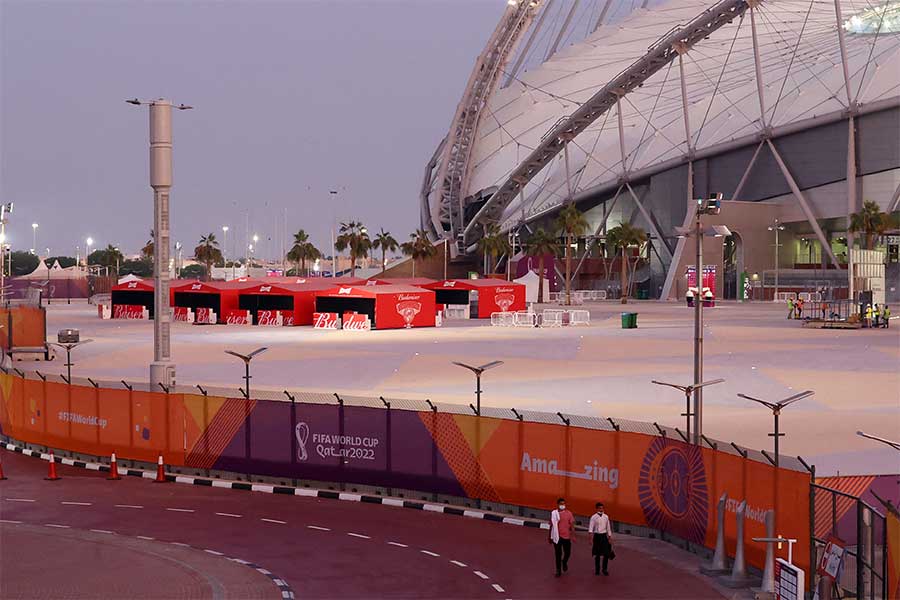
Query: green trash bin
(633, 321)
(629, 320)
(643, 294)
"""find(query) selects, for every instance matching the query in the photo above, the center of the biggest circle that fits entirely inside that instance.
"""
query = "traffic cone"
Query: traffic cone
(2, 476)
(51, 473)
(113, 469)
(160, 471)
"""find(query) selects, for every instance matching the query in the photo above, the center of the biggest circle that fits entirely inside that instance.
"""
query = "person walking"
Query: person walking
(790, 302)
(562, 533)
(799, 308)
(886, 318)
(876, 315)
(602, 539)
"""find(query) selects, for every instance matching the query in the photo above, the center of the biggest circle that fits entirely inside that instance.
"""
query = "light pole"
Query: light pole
(333, 194)
(894, 445)
(688, 390)
(776, 407)
(87, 255)
(776, 227)
(5, 210)
(34, 227)
(710, 206)
(247, 358)
(225, 250)
(478, 371)
(162, 369)
(69, 346)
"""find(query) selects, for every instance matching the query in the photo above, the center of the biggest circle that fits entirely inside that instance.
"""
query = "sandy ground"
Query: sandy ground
(599, 370)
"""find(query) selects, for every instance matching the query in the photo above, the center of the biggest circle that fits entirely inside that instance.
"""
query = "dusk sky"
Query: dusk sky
(292, 99)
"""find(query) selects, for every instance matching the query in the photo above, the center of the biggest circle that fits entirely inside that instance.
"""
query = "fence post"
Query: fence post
(341, 427)
(434, 425)
(387, 438)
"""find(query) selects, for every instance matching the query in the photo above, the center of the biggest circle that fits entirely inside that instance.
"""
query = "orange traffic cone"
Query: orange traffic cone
(160, 471)
(2, 476)
(51, 473)
(113, 469)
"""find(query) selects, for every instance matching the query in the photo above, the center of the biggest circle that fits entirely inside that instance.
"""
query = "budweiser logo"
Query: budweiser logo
(196, 286)
(265, 288)
(504, 301)
(371, 283)
(182, 314)
(325, 320)
(357, 322)
(449, 284)
(268, 317)
(128, 311)
(504, 290)
(402, 297)
(408, 310)
(205, 315)
(132, 284)
(238, 317)
(301, 281)
(344, 290)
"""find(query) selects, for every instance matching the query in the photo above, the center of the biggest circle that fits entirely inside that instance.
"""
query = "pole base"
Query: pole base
(713, 571)
(161, 373)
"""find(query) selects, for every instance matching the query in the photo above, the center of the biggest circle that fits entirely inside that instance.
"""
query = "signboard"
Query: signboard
(269, 318)
(832, 558)
(205, 316)
(238, 317)
(789, 581)
(287, 318)
(357, 322)
(183, 314)
(325, 320)
(709, 277)
(130, 311)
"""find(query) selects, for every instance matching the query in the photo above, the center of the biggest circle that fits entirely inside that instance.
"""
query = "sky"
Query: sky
(292, 99)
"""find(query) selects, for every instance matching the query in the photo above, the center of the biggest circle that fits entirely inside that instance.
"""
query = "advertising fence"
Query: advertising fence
(22, 327)
(645, 474)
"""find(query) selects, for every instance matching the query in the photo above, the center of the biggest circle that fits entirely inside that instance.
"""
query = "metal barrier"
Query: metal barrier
(524, 318)
(579, 317)
(503, 319)
(552, 317)
(456, 311)
(842, 516)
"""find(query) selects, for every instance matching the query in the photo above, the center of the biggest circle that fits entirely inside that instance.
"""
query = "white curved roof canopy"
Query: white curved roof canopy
(802, 76)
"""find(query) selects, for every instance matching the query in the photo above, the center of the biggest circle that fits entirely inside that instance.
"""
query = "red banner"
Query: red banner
(357, 322)
(182, 314)
(325, 320)
(287, 318)
(129, 311)
(205, 316)
(269, 318)
(238, 317)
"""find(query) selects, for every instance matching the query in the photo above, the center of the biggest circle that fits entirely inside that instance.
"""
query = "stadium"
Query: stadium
(631, 109)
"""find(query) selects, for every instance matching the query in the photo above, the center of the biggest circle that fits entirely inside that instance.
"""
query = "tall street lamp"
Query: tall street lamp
(333, 195)
(894, 445)
(688, 390)
(225, 250)
(247, 358)
(68, 347)
(5, 209)
(776, 407)
(34, 227)
(710, 206)
(478, 371)
(162, 369)
(87, 255)
(776, 227)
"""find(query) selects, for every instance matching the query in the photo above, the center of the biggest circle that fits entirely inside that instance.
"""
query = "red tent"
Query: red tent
(296, 301)
(485, 296)
(218, 296)
(132, 294)
(388, 306)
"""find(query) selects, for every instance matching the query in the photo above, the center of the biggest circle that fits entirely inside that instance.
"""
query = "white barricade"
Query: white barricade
(811, 296)
(554, 297)
(552, 318)
(599, 295)
(523, 318)
(783, 296)
(579, 317)
(503, 319)
(456, 311)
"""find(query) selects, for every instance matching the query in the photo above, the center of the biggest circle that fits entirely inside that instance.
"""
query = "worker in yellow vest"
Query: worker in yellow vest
(868, 315)
(886, 316)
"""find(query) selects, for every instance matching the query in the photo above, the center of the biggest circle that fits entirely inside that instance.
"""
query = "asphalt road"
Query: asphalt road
(321, 548)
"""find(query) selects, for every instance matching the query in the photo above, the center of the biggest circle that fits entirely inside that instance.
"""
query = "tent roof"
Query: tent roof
(137, 285)
(413, 281)
(372, 291)
(470, 284)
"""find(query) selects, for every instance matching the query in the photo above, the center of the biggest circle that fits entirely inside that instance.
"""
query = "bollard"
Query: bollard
(738, 577)
(719, 564)
(768, 579)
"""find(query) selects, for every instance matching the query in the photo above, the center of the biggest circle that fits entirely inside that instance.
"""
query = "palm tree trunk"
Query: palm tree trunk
(383, 260)
(541, 279)
(624, 273)
(568, 271)
(414, 266)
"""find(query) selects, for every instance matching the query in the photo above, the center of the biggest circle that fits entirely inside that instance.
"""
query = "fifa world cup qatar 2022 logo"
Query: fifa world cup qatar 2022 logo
(408, 307)
(672, 489)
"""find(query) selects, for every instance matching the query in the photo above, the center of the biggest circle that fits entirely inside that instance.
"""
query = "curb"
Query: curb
(292, 491)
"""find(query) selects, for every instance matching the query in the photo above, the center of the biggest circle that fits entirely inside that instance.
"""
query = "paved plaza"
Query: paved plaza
(599, 370)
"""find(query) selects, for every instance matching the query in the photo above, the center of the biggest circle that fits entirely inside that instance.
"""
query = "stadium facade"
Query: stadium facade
(633, 108)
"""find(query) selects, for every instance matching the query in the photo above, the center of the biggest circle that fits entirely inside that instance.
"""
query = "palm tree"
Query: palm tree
(625, 236)
(541, 244)
(147, 250)
(208, 253)
(418, 247)
(387, 243)
(871, 221)
(302, 251)
(571, 224)
(492, 244)
(353, 236)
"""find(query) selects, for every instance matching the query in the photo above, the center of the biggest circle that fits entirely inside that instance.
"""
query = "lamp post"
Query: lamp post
(478, 371)
(333, 194)
(894, 445)
(162, 369)
(710, 206)
(776, 407)
(34, 227)
(68, 347)
(87, 254)
(5, 210)
(776, 227)
(688, 390)
(225, 250)
(247, 358)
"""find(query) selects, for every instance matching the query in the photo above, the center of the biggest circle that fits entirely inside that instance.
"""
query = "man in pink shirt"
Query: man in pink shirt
(562, 533)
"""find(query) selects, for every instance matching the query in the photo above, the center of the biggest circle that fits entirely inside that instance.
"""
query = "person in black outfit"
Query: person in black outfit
(601, 530)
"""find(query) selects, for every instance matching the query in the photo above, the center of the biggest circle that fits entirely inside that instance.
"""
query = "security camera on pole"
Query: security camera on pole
(162, 369)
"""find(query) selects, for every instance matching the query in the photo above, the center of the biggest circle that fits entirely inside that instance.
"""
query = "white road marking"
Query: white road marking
(350, 497)
(359, 535)
(433, 508)
(183, 479)
(58, 526)
(128, 506)
(398, 544)
(263, 571)
(230, 515)
(181, 509)
(268, 489)
(392, 502)
(103, 531)
(221, 484)
(144, 537)
(20, 499)
(459, 564)
(76, 503)
(482, 575)
(306, 492)
(10, 521)
(429, 553)
(473, 514)
(239, 561)
(180, 544)
(214, 552)
(274, 521)
(316, 527)
(498, 588)
(511, 521)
